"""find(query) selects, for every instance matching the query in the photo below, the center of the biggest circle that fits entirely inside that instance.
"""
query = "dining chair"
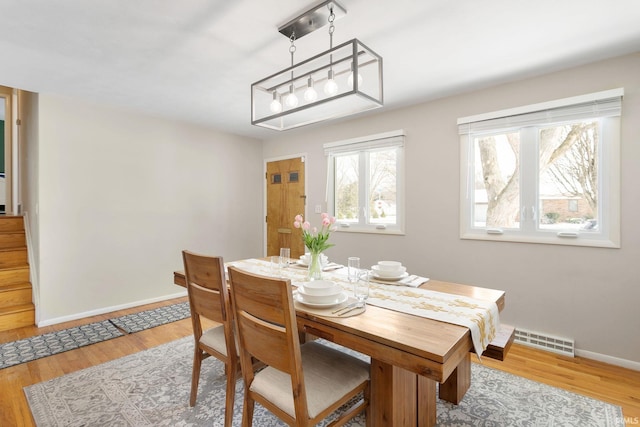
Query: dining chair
(209, 299)
(301, 384)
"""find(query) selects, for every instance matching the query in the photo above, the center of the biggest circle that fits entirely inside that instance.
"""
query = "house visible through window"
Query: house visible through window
(365, 183)
(546, 173)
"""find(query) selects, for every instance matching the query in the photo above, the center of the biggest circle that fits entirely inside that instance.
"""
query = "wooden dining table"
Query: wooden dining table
(410, 355)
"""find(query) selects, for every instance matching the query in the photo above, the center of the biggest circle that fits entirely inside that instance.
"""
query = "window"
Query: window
(365, 183)
(546, 173)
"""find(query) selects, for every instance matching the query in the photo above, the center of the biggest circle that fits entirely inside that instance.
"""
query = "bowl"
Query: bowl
(382, 273)
(320, 288)
(306, 259)
(318, 299)
(391, 266)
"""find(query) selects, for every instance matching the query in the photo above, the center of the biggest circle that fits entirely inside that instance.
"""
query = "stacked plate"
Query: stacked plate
(306, 259)
(320, 293)
(389, 270)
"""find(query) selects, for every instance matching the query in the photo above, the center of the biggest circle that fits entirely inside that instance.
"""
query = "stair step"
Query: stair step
(12, 239)
(13, 257)
(15, 295)
(11, 223)
(12, 275)
(17, 316)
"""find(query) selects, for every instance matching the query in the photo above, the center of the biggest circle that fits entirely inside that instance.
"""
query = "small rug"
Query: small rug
(32, 348)
(28, 349)
(147, 319)
(151, 388)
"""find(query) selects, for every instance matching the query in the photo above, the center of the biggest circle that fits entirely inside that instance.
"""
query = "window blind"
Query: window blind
(382, 140)
(601, 104)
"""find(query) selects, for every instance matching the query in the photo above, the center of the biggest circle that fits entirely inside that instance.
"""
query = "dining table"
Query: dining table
(414, 359)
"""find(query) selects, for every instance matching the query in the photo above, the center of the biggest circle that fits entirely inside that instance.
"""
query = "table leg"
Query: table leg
(455, 387)
(400, 397)
(426, 401)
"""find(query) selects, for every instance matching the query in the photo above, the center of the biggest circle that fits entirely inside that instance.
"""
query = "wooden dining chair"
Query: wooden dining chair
(302, 384)
(209, 299)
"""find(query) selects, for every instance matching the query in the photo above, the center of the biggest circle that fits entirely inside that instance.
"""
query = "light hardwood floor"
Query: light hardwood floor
(601, 381)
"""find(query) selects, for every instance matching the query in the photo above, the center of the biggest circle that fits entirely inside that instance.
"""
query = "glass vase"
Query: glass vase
(315, 266)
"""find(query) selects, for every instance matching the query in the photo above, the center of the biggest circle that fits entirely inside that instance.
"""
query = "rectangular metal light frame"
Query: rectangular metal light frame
(351, 56)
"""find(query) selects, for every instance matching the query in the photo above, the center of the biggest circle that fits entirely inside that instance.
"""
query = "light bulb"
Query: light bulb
(275, 105)
(330, 87)
(291, 100)
(310, 93)
(350, 80)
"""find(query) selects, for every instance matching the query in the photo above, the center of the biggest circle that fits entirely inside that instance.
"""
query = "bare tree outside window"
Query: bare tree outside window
(567, 169)
(382, 182)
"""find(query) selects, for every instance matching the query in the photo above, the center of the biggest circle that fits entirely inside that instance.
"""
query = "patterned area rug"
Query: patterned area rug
(151, 388)
(28, 349)
(137, 322)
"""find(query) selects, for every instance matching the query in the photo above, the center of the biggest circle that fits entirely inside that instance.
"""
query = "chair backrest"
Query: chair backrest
(206, 287)
(266, 324)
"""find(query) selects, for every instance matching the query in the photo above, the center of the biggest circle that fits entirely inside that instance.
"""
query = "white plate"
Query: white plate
(390, 278)
(339, 300)
(384, 273)
(304, 264)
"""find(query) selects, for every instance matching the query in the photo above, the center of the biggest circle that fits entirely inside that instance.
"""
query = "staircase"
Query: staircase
(16, 304)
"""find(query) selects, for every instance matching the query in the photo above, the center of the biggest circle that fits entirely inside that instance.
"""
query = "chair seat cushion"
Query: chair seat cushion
(329, 375)
(214, 338)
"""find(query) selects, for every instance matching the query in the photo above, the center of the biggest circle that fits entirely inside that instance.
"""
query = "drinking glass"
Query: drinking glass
(361, 287)
(353, 267)
(285, 255)
(275, 265)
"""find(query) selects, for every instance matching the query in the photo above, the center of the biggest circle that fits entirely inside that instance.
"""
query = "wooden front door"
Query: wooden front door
(285, 199)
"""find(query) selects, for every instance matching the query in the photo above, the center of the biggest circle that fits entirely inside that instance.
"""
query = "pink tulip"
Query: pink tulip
(298, 218)
(325, 221)
(296, 224)
(306, 225)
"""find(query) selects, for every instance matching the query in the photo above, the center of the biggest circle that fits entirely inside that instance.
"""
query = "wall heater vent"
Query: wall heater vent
(558, 345)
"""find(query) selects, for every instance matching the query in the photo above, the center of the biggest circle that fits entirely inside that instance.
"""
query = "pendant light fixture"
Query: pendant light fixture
(322, 87)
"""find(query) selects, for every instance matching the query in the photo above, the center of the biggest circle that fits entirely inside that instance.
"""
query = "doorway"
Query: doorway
(286, 198)
(6, 138)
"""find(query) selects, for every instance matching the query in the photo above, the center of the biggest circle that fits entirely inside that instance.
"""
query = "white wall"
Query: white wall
(589, 294)
(120, 195)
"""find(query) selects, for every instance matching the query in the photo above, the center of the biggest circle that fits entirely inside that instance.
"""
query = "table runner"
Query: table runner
(481, 317)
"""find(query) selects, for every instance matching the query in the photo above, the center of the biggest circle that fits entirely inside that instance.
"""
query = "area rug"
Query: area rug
(137, 322)
(32, 348)
(151, 388)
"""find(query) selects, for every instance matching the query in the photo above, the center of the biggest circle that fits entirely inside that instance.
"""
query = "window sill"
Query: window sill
(583, 239)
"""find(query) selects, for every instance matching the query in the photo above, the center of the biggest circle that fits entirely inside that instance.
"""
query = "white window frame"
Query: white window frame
(363, 145)
(607, 105)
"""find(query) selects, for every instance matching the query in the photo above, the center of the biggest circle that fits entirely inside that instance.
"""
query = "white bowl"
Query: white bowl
(306, 258)
(320, 288)
(393, 266)
(318, 299)
(382, 273)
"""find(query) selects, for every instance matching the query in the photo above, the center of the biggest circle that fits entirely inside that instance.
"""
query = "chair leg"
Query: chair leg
(195, 375)
(247, 411)
(231, 392)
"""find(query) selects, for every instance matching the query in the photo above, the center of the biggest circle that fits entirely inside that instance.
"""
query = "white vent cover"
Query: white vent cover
(564, 346)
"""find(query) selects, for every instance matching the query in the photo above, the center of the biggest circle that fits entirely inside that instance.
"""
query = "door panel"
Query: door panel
(285, 199)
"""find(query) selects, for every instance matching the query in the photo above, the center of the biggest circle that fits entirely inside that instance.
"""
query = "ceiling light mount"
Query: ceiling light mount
(312, 19)
(332, 70)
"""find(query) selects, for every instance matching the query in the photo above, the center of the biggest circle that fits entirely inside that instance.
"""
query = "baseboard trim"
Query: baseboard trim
(624, 363)
(77, 316)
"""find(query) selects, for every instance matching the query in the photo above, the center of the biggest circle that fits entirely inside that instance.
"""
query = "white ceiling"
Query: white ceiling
(195, 60)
